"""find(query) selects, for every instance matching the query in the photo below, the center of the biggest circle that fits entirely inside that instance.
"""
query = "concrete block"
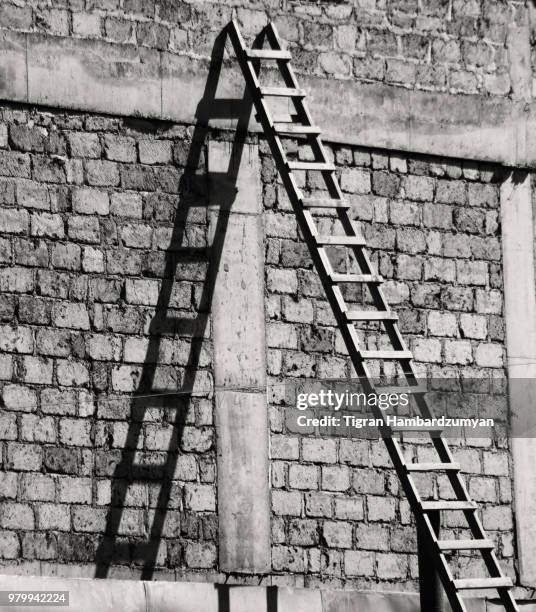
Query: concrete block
(243, 495)
(102, 595)
(181, 597)
(13, 82)
(299, 600)
(520, 313)
(93, 75)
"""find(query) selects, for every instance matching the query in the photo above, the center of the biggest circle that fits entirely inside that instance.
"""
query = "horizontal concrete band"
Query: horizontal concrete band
(132, 596)
(126, 80)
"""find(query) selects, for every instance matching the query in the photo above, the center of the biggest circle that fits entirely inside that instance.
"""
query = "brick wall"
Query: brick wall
(98, 217)
(441, 45)
(339, 516)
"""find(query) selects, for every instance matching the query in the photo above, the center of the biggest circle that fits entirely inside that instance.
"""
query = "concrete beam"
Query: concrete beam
(517, 222)
(240, 361)
(131, 596)
(126, 80)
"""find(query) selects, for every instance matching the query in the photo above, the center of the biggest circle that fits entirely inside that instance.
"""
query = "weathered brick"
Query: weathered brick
(200, 555)
(101, 173)
(287, 503)
(84, 229)
(142, 292)
(8, 427)
(489, 301)
(35, 428)
(437, 216)
(284, 447)
(39, 546)
(349, 508)
(14, 221)
(16, 516)
(497, 518)
(14, 164)
(359, 563)
(120, 148)
(391, 566)
(472, 272)
(38, 487)
(335, 478)
(88, 201)
(489, 355)
(24, 457)
(48, 169)
(31, 252)
(337, 534)
(439, 269)
(84, 144)
(136, 236)
(86, 25)
(37, 370)
(70, 315)
(473, 326)
(458, 352)
(419, 188)
(16, 339)
(9, 541)
(442, 324)
(154, 151)
(486, 196)
(303, 477)
(125, 204)
(319, 450)
(355, 180)
(385, 184)
(75, 432)
(47, 225)
(200, 498)
(427, 350)
(380, 508)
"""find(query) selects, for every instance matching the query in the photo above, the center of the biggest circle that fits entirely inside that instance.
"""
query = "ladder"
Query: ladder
(300, 124)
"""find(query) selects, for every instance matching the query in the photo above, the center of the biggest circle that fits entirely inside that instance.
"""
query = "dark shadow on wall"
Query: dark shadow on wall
(224, 598)
(115, 549)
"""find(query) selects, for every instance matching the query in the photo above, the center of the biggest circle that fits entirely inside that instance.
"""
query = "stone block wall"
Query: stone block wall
(452, 45)
(102, 265)
(432, 224)
(104, 289)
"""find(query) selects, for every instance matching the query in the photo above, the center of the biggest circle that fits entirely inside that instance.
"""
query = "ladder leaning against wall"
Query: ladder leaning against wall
(300, 124)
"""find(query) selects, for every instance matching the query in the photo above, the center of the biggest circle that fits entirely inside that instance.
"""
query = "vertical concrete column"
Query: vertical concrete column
(520, 314)
(240, 360)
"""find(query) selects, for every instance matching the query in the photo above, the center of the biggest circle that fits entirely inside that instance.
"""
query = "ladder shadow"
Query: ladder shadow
(192, 193)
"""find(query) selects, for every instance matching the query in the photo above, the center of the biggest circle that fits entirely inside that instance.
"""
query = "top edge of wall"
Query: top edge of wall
(126, 80)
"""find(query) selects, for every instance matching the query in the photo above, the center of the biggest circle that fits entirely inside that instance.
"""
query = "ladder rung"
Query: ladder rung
(282, 92)
(319, 166)
(483, 583)
(433, 467)
(288, 118)
(429, 506)
(409, 390)
(356, 278)
(296, 128)
(268, 54)
(324, 203)
(342, 241)
(371, 315)
(465, 544)
(386, 355)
